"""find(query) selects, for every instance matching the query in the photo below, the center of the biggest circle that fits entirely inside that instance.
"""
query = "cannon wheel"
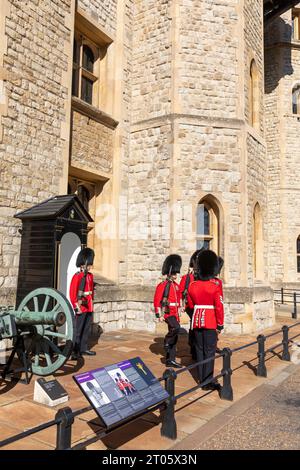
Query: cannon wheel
(47, 348)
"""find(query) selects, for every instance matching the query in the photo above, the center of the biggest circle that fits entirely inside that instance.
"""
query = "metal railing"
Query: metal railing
(169, 428)
(65, 417)
(288, 296)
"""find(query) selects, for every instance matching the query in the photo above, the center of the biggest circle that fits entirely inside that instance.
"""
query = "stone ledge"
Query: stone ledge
(234, 295)
(94, 113)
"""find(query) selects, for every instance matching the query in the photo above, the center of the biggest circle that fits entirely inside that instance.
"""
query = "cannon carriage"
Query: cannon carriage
(42, 331)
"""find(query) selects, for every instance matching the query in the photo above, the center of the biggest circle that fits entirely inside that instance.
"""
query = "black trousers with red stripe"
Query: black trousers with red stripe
(171, 337)
(205, 343)
(83, 323)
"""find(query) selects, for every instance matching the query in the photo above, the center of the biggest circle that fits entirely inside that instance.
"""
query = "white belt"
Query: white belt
(88, 292)
(203, 306)
(173, 304)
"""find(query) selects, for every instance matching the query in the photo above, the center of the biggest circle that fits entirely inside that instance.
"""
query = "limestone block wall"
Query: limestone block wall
(290, 172)
(104, 12)
(273, 163)
(116, 308)
(206, 68)
(148, 203)
(34, 134)
(151, 59)
(282, 127)
(264, 315)
(257, 193)
(92, 144)
(211, 159)
(253, 49)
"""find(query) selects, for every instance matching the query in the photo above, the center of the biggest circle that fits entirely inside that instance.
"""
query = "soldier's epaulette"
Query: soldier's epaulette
(215, 281)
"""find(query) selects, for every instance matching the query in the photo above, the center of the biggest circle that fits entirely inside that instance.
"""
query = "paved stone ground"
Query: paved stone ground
(266, 419)
(194, 412)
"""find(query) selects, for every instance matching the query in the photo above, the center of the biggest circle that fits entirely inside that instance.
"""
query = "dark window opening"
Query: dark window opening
(87, 90)
(88, 59)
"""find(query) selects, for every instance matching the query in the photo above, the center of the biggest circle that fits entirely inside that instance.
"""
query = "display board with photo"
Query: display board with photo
(121, 390)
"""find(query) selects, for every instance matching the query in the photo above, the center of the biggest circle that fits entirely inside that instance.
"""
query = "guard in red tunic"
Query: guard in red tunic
(183, 286)
(81, 296)
(167, 304)
(205, 297)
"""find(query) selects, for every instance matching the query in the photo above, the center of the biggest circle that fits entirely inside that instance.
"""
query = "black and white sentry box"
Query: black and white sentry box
(49, 392)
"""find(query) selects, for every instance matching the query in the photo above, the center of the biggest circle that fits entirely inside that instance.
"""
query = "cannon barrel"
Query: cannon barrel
(24, 318)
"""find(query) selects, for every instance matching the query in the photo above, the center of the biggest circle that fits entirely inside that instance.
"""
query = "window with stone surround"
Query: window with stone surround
(86, 192)
(90, 62)
(207, 226)
(296, 25)
(254, 96)
(298, 254)
(296, 99)
(85, 81)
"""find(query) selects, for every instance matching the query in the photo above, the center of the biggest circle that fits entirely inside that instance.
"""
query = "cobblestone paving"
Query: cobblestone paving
(272, 423)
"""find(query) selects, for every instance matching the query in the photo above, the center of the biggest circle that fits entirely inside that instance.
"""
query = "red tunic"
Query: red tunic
(89, 287)
(173, 299)
(206, 300)
(182, 285)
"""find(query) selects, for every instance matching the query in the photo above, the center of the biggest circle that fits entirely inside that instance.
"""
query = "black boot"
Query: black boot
(171, 363)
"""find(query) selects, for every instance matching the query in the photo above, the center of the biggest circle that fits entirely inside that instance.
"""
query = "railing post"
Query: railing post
(64, 428)
(169, 427)
(294, 314)
(285, 343)
(226, 392)
(261, 368)
(282, 295)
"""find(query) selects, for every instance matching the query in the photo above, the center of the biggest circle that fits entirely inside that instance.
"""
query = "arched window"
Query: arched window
(298, 254)
(296, 99)
(207, 226)
(254, 96)
(258, 267)
(203, 227)
(85, 55)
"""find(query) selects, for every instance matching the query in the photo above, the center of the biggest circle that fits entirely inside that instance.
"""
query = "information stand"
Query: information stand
(121, 390)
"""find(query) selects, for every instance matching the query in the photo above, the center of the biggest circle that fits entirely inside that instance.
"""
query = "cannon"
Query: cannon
(36, 331)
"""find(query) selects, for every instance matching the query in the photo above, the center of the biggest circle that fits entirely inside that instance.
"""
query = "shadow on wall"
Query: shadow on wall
(278, 61)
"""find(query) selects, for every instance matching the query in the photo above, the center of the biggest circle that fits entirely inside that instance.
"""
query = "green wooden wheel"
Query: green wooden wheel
(40, 318)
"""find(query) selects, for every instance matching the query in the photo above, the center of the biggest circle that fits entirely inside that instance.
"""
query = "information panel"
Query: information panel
(120, 390)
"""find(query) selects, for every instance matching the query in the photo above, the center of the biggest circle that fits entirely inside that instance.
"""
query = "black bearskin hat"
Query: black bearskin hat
(207, 265)
(193, 260)
(85, 256)
(172, 265)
